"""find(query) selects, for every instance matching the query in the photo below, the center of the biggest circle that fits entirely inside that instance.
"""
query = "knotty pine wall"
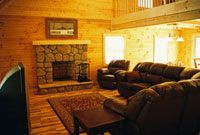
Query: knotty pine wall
(186, 48)
(140, 44)
(23, 21)
(17, 34)
(81, 9)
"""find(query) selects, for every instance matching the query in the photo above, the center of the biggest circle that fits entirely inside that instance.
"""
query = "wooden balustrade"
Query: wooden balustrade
(123, 7)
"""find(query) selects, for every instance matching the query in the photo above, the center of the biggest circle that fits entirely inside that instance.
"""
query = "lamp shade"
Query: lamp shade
(180, 39)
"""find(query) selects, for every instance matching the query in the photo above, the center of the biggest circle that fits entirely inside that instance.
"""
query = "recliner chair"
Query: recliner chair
(106, 76)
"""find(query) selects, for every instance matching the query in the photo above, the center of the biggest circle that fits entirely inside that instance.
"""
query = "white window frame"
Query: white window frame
(104, 44)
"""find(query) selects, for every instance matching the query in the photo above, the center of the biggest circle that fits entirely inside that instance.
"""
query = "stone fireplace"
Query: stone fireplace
(59, 62)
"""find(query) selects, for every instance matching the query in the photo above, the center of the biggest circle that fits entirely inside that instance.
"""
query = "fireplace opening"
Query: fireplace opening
(62, 70)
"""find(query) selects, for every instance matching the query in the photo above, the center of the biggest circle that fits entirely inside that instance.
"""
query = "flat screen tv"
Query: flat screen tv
(14, 114)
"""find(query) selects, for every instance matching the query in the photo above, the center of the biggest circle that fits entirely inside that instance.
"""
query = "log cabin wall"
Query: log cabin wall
(140, 44)
(186, 48)
(24, 21)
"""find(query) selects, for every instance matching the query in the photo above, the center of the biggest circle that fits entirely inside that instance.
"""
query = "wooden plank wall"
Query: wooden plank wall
(140, 44)
(82, 9)
(186, 48)
(17, 34)
(23, 21)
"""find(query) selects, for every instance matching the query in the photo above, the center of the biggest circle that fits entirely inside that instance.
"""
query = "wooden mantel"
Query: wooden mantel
(60, 42)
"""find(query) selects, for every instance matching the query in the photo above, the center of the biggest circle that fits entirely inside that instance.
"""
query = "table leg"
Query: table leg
(76, 127)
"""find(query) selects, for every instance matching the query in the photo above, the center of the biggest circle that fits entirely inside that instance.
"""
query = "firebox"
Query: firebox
(62, 70)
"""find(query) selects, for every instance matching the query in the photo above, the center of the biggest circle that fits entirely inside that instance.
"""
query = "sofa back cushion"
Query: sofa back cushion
(155, 73)
(187, 73)
(157, 68)
(143, 67)
(173, 72)
(120, 64)
(196, 76)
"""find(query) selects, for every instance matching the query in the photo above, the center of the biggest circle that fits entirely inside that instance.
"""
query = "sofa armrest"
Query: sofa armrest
(120, 76)
(115, 106)
(103, 71)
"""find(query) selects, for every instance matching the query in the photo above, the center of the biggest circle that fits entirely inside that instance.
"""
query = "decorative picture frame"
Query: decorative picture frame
(61, 28)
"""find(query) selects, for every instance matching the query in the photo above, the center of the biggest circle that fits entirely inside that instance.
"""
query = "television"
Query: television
(14, 113)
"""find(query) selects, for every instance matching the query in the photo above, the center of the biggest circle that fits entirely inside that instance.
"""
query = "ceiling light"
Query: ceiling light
(180, 39)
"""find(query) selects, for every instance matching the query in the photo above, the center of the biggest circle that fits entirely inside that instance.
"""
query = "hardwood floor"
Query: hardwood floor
(43, 119)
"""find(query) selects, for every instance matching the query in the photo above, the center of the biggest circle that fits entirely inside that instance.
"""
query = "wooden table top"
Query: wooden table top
(97, 117)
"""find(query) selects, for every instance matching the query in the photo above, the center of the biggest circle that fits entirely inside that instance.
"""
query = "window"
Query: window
(113, 47)
(197, 47)
(145, 3)
(160, 50)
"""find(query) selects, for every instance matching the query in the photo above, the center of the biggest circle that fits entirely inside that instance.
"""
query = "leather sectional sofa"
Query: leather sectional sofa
(148, 74)
(169, 108)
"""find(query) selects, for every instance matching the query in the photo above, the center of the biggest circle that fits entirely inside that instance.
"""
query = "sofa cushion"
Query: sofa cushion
(108, 77)
(144, 67)
(196, 76)
(117, 63)
(153, 79)
(139, 86)
(170, 88)
(164, 79)
(173, 72)
(157, 68)
(191, 117)
(136, 66)
(187, 73)
(113, 70)
(132, 76)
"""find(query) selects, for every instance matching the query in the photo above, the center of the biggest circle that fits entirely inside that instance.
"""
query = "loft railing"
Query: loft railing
(123, 7)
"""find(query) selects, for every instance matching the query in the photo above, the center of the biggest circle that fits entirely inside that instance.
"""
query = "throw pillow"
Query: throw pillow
(133, 76)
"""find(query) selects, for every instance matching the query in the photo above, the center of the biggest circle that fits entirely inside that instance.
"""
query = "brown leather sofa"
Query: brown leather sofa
(170, 108)
(106, 76)
(151, 74)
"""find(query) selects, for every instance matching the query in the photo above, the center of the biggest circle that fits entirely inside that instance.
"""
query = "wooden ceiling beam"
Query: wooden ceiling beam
(175, 12)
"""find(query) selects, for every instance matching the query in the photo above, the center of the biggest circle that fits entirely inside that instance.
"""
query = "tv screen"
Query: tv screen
(13, 102)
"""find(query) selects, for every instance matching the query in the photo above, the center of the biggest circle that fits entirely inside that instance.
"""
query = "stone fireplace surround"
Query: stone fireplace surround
(73, 51)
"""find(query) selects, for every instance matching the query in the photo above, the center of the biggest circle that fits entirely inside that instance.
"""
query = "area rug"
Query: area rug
(64, 107)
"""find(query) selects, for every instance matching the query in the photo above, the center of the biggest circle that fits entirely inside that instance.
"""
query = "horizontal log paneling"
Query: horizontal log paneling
(84, 9)
(17, 34)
